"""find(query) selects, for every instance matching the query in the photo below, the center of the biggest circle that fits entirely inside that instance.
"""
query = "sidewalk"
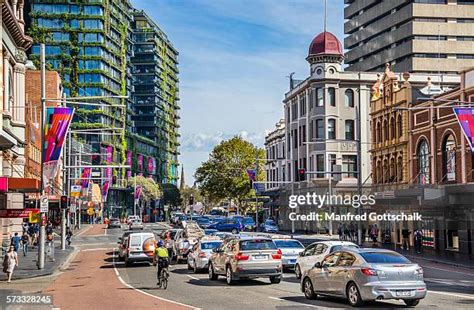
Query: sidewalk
(439, 257)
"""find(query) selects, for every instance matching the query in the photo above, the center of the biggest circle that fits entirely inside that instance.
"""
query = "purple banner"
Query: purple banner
(109, 154)
(465, 118)
(140, 162)
(129, 158)
(138, 192)
(151, 165)
(85, 176)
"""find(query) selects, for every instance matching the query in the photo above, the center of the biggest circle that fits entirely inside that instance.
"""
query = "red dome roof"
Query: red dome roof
(325, 43)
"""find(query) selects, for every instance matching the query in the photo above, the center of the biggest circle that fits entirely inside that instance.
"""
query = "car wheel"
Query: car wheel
(235, 231)
(128, 263)
(308, 289)
(229, 277)
(411, 302)
(275, 279)
(298, 271)
(353, 295)
(212, 275)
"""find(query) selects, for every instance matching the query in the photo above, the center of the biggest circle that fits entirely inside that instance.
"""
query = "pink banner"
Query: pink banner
(129, 158)
(138, 192)
(140, 162)
(85, 176)
(109, 154)
(129, 173)
(151, 165)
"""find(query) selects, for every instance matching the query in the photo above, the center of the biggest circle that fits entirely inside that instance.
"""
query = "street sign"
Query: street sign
(165, 207)
(90, 211)
(17, 213)
(44, 204)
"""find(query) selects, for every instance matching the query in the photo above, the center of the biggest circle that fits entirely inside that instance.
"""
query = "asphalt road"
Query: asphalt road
(448, 288)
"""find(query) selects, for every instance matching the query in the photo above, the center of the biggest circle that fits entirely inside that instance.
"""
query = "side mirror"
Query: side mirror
(318, 265)
(215, 250)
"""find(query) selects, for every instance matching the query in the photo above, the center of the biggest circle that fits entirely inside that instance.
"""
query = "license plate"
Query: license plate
(260, 256)
(292, 261)
(403, 293)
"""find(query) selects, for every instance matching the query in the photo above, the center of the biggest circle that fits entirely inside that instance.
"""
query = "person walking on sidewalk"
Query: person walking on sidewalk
(15, 242)
(374, 233)
(340, 232)
(10, 261)
(25, 242)
(406, 239)
(418, 240)
(68, 235)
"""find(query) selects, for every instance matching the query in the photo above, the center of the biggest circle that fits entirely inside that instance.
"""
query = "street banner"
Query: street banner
(109, 154)
(17, 213)
(56, 126)
(252, 174)
(138, 192)
(140, 162)
(85, 177)
(259, 188)
(465, 118)
(76, 191)
(105, 190)
(129, 158)
(151, 165)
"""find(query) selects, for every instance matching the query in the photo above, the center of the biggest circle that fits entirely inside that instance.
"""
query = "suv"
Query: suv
(229, 224)
(138, 247)
(246, 257)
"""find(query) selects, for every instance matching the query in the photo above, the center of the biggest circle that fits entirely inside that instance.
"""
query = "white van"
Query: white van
(132, 218)
(139, 247)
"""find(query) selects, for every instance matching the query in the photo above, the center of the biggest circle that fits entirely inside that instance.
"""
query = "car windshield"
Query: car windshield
(384, 258)
(289, 244)
(210, 245)
(270, 222)
(209, 231)
(202, 220)
(248, 220)
(338, 247)
(257, 244)
(136, 241)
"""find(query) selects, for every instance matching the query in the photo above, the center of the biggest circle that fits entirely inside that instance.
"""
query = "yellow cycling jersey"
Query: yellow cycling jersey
(161, 252)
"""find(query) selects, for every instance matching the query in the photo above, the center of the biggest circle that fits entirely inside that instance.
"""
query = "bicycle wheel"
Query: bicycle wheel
(164, 283)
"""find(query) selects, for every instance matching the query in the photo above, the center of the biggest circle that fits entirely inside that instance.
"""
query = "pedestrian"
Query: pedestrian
(339, 231)
(25, 226)
(346, 231)
(374, 232)
(15, 242)
(10, 261)
(68, 235)
(25, 241)
(418, 241)
(406, 239)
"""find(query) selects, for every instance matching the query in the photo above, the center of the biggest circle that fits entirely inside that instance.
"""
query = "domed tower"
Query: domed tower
(325, 55)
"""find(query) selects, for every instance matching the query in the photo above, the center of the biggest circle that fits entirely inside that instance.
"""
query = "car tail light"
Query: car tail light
(202, 254)
(240, 256)
(369, 271)
(421, 289)
(277, 255)
(419, 271)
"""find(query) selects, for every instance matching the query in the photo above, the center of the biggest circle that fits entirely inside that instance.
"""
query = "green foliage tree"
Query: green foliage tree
(171, 195)
(224, 175)
(150, 189)
(187, 191)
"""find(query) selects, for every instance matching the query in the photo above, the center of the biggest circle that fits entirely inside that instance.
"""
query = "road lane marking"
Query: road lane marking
(94, 249)
(452, 294)
(447, 270)
(301, 304)
(143, 292)
(81, 232)
(194, 278)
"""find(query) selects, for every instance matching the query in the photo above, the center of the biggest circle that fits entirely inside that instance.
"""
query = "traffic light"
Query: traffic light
(191, 200)
(302, 174)
(63, 202)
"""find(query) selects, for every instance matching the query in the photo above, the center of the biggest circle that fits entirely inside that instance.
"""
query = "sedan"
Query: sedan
(361, 275)
(136, 224)
(270, 226)
(114, 223)
(198, 258)
(290, 249)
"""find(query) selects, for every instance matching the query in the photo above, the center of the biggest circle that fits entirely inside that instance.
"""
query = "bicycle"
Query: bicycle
(163, 279)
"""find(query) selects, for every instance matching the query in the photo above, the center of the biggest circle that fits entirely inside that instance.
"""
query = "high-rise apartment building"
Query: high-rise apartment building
(155, 100)
(429, 36)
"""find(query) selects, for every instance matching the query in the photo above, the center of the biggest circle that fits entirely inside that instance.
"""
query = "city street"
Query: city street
(94, 278)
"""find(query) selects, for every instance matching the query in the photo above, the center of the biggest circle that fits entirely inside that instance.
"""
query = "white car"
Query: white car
(135, 224)
(198, 257)
(132, 218)
(290, 250)
(316, 252)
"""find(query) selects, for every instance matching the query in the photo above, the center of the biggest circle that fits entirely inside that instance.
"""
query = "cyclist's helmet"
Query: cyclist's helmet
(160, 243)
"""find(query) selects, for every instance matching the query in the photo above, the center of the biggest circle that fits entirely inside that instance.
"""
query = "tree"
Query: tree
(224, 174)
(150, 189)
(187, 191)
(171, 195)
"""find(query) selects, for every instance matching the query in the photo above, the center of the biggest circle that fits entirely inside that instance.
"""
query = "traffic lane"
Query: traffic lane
(197, 290)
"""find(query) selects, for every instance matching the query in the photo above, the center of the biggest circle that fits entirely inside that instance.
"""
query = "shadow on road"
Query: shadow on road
(339, 303)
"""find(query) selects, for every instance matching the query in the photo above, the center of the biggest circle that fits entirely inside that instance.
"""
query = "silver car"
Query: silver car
(246, 257)
(361, 275)
(290, 249)
(198, 257)
(136, 224)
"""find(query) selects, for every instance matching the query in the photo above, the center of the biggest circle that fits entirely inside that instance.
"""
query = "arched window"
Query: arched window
(10, 91)
(385, 130)
(423, 155)
(385, 171)
(392, 170)
(331, 128)
(400, 169)
(392, 128)
(399, 126)
(378, 133)
(349, 98)
(379, 173)
(449, 158)
(332, 96)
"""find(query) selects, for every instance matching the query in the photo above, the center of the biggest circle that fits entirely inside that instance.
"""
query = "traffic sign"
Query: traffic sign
(44, 204)
(90, 211)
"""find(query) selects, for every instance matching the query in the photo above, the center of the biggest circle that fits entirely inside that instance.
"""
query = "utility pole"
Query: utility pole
(42, 231)
(256, 197)
(134, 194)
(359, 163)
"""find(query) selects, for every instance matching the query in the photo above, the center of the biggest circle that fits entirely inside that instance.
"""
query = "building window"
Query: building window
(349, 98)
(320, 165)
(449, 158)
(319, 129)
(331, 128)
(399, 126)
(302, 105)
(378, 133)
(332, 162)
(423, 155)
(350, 135)
(399, 169)
(293, 111)
(349, 165)
(385, 130)
(332, 96)
(320, 96)
(378, 175)
(392, 128)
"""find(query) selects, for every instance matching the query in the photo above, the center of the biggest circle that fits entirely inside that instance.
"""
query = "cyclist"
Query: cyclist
(161, 258)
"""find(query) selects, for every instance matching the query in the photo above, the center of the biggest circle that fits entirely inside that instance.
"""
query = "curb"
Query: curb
(432, 260)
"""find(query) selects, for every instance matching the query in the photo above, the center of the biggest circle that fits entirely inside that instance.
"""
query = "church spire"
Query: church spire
(182, 182)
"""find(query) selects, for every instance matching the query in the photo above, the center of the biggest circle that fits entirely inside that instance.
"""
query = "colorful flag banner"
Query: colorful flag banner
(85, 177)
(129, 158)
(109, 151)
(252, 174)
(140, 162)
(151, 165)
(56, 126)
(105, 190)
(138, 192)
(465, 118)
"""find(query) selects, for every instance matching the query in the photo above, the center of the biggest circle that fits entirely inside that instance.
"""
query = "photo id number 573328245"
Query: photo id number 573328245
(38, 299)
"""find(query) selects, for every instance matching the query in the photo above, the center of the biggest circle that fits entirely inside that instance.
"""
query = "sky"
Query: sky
(234, 60)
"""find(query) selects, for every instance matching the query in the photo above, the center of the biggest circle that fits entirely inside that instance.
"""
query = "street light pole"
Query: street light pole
(42, 231)
(359, 162)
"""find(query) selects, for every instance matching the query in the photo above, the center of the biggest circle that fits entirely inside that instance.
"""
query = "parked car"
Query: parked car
(315, 252)
(198, 257)
(114, 223)
(122, 248)
(181, 218)
(175, 216)
(222, 234)
(203, 222)
(229, 224)
(136, 224)
(361, 275)
(246, 257)
(270, 226)
(138, 247)
(290, 249)
(210, 231)
(131, 218)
